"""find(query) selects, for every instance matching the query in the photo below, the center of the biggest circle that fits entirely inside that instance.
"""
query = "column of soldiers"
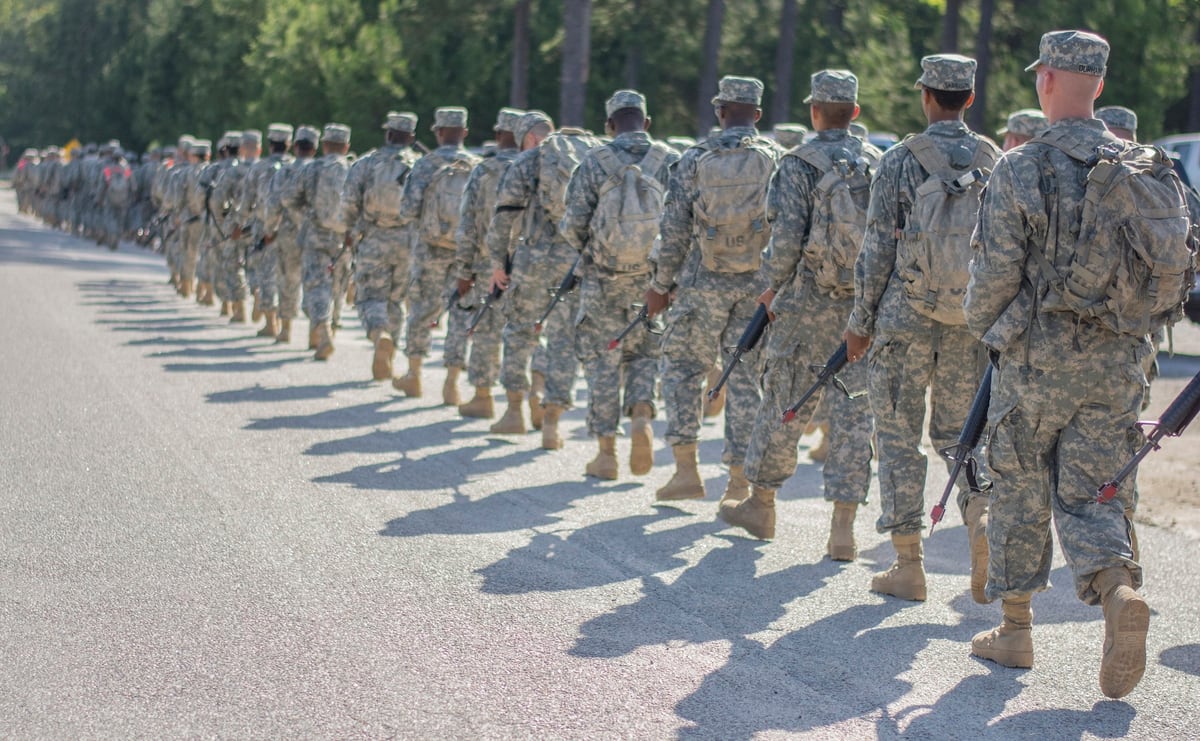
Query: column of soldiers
(900, 259)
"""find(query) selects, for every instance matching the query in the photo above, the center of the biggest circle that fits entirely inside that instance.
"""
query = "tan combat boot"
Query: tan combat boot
(239, 313)
(537, 390)
(271, 328)
(737, 488)
(313, 339)
(324, 342)
(604, 465)
(481, 406)
(385, 349)
(713, 407)
(976, 522)
(841, 546)
(257, 312)
(754, 514)
(1011, 644)
(906, 578)
(224, 309)
(208, 299)
(450, 396)
(551, 440)
(641, 454)
(686, 482)
(185, 288)
(821, 452)
(1126, 622)
(410, 383)
(513, 420)
(285, 332)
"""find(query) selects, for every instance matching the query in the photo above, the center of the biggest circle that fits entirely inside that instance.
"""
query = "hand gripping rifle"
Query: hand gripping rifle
(567, 285)
(642, 318)
(825, 374)
(750, 337)
(488, 300)
(450, 304)
(961, 453)
(1172, 423)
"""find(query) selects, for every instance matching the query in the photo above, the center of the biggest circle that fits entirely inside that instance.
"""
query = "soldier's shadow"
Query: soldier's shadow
(373, 414)
(260, 394)
(1184, 658)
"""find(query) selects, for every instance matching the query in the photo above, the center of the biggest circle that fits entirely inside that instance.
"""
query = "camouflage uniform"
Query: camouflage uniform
(192, 225)
(228, 196)
(284, 222)
(253, 206)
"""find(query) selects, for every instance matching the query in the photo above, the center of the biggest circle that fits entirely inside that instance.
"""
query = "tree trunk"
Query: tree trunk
(577, 23)
(1193, 116)
(785, 53)
(950, 26)
(708, 75)
(518, 95)
(977, 116)
(633, 48)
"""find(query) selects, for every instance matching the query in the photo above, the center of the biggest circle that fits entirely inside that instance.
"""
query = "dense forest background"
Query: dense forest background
(145, 71)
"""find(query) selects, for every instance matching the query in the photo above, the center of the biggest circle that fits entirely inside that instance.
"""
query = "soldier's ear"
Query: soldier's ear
(646, 124)
(856, 112)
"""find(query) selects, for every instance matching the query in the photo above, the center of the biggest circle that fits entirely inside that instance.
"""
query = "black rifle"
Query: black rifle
(1172, 423)
(450, 304)
(750, 337)
(488, 300)
(567, 285)
(643, 319)
(962, 453)
(825, 374)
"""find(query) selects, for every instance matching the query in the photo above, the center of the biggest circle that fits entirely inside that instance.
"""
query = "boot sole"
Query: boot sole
(1011, 659)
(729, 518)
(476, 413)
(381, 364)
(842, 553)
(641, 455)
(679, 497)
(1124, 660)
(917, 595)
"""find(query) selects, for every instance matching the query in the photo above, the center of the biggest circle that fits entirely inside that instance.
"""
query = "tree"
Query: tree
(785, 63)
(977, 116)
(519, 91)
(577, 21)
(708, 77)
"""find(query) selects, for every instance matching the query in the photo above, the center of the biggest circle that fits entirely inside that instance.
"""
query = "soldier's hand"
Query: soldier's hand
(464, 286)
(856, 345)
(499, 280)
(765, 298)
(655, 302)
(268, 239)
(237, 232)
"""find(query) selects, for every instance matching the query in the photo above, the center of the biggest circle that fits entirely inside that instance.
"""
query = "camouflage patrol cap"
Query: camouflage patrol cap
(730, 89)
(681, 142)
(305, 133)
(948, 72)
(833, 86)
(406, 122)
(450, 117)
(1072, 51)
(279, 132)
(251, 138)
(201, 147)
(29, 153)
(1025, 122)
(507, 118)
(859, 130)
(168, 151)
(1118, 117)
(789, 134)
(336, 133)
(528, 121)
(230, 139)
(625, 99)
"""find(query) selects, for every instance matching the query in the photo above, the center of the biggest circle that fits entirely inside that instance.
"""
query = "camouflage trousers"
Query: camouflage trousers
(1055, 437)
(322, 251)
(342, 274)
(232, 274)
(381, 278)
(523, 349)
(802, 338)
(190, 250)
(483, 360)
(262, 274)
(703, 320)
(429, 290)
(605, 309)
(289, 272)
(904, 361)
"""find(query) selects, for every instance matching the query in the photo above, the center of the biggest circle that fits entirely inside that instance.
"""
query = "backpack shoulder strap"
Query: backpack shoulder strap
(607, 159)
(929, 156)
(814, 156)
(654, 159)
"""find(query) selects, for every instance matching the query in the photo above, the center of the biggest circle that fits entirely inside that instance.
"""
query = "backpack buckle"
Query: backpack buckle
(711, 232)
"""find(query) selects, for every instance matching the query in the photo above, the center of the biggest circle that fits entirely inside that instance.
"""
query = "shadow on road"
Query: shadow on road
(1185, 658)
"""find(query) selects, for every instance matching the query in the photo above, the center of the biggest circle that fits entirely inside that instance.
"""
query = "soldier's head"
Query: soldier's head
(738, 101)
(1070, 73)
(947, 86)
(450, 126)
(337, 139)
(400, 128)
(307, 138)
(250, 146)
(506, 125)
(833, 102)
(1022, 126)
(626, 112)
(532, 129)
(200, 151)
(1120, 120)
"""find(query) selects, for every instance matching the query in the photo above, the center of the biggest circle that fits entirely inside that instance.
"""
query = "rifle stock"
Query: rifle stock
(825, 374)
(564, 287)
(747, 342)
(960, 453)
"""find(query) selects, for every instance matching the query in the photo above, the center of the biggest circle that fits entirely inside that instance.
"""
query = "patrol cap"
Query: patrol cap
(859, 130)
(681, 142)
(1072, 51)
(623, 99)
(730, 89)
(279, 132)
(306, 133)
(528, 121)
(488, 148)
(948, 72)
(29, 153)
(789, 134)
(201, 147)
(168, 151)
(114, 144)
(230, 139)
(336, 133)
(1118, 117)
(833, 86)
(1025, 122)
(251, 138)
(406, 122)
(450, 117)
(507, 118)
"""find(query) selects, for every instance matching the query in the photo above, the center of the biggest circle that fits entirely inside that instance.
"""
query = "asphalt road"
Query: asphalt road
(204, 534)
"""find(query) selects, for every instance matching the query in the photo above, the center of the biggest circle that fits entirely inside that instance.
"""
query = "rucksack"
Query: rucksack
(385, 185)
(1131, 265)
(839, 217)
(628, 209)
(730, 210)
(327, 201)
(934, 249)
(118, 181)
(440, 209)
(558, 156)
